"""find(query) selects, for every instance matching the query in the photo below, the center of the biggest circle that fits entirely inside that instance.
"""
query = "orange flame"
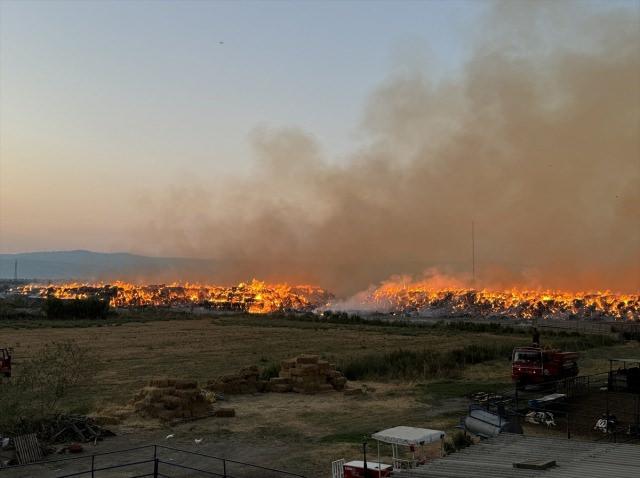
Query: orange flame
(400, 297)
(439, 296)
(254, 297)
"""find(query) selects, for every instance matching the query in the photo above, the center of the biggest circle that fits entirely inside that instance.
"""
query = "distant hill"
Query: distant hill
(88, 265)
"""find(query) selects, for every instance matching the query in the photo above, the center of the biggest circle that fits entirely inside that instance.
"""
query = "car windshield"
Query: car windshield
(522, 356)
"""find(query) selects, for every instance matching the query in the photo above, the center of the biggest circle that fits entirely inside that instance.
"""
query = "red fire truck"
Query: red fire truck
(535, 365)
(5, 363)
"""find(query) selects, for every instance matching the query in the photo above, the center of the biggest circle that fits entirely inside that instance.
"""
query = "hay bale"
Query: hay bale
(307, 359)
(323, 365)
(185, 384)
(172, 402)
(188, 394)
(307, 389)
(325, 387)
(154, 392)
(287, 364)
(308, 369)
(233, 377)
(159, 382)
(250, 372)
(339, 383)
(280, 388)
(350, 392)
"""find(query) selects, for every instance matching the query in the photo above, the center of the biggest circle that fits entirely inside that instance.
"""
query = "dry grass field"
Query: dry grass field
(129, 354)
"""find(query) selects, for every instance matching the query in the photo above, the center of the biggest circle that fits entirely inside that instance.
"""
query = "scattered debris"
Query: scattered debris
(65, 428)
(28, 449)
(75, 448)
(539, 418)
(606, 424)
(486, 397)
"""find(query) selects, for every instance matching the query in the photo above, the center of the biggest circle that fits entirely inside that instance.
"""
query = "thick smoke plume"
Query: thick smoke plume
(537, 141)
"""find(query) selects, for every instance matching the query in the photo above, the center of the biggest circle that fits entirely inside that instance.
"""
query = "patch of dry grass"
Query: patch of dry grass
(132, 353)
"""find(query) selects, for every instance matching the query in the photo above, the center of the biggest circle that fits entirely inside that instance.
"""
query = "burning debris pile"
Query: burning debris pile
(422, 300)
(254, 297)
(413, 298)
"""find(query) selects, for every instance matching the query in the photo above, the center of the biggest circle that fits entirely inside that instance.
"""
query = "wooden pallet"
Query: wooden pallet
(27, 448)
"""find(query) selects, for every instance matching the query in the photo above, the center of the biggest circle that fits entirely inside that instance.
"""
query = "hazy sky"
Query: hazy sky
(333, 142)
(103, 99)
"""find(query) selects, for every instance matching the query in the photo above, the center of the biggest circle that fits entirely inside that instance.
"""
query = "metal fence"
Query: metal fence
(155, 461)
(588, 398)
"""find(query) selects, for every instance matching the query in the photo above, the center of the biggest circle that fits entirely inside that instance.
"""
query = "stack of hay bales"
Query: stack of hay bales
(171, 399)
(307, 374)
(245, 381)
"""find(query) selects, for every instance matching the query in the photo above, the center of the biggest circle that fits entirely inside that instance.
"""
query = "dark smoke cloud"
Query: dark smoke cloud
(538, 142)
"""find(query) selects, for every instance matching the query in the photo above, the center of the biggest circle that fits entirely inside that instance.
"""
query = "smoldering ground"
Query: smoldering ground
(536, 140)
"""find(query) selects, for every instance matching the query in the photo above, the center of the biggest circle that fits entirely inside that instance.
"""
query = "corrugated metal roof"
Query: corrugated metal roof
(494, 458)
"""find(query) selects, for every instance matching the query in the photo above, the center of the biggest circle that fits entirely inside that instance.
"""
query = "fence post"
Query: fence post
(155, 468)
(93, 461)
(568, 428)
(224, 468)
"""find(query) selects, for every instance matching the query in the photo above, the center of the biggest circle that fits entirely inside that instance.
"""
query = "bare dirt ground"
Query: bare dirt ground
(300, 433)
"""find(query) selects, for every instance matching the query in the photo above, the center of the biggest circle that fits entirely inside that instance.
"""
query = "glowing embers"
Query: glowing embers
(421, 298)
(253, 297)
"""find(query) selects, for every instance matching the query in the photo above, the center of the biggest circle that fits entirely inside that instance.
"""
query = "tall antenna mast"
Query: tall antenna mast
(473, 253)
(15, 270)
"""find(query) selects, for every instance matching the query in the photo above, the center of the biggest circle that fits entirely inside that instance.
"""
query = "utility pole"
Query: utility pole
(15, 270)
(473, 253)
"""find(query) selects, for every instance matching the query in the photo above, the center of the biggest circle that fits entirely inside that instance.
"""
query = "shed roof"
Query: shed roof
(494, 458)
(408, 435)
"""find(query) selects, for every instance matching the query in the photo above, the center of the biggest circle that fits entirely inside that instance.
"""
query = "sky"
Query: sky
(100, 99)
(334, 142)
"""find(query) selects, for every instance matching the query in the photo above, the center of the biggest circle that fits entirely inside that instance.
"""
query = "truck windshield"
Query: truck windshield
(522, 356)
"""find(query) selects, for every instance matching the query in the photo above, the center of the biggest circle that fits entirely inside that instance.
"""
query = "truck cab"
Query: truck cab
(535, 365)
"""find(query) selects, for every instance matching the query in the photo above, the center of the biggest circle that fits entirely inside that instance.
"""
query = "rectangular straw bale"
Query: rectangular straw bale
(288, 363)
(159, 382)
(308, 369)
(280, 388)
(307, 359)
(171, 402)
(325, 387)
(185, 384)
(154, 392)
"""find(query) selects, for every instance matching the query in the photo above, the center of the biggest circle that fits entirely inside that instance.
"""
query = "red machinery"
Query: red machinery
(5, 363)
(355, 469)
(535, 365)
